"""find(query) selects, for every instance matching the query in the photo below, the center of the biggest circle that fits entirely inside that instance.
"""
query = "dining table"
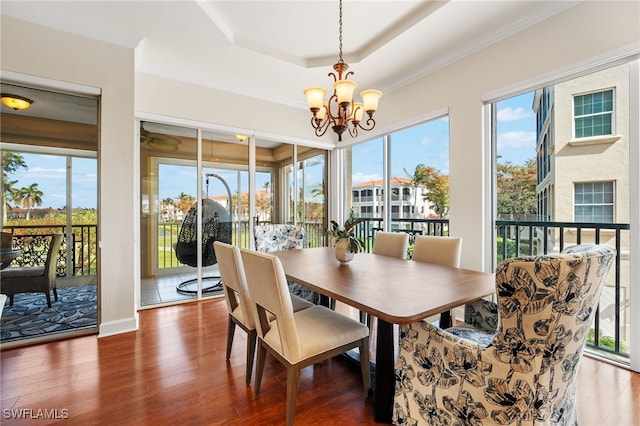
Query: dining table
(394, 291)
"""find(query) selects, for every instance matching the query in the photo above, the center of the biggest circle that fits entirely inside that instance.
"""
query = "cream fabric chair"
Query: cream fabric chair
(392, 244)
(441, 251)
(238, 299)
(33, 279)
(296, 339)
(525, 373)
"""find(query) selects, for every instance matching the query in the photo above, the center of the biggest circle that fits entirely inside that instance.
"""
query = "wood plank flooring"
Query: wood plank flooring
(173, 371)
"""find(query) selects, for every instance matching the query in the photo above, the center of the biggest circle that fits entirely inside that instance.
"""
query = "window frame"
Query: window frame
(612, 114)
(594, 204)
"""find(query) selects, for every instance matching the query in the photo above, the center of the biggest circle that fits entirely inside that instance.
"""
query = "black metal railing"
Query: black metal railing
(33, 241)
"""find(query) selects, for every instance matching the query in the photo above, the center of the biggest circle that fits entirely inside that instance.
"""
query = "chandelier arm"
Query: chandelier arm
(369, 124)
(353, 131)
(333, 100)
(321, 130)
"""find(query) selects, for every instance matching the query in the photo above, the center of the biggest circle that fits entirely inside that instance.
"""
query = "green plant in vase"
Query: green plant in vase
(345, 240)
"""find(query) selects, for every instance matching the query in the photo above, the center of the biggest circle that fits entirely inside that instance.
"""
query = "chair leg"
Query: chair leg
(261, 358)
(293, 378)
(446, 320)
(48, 298)
(252, 338)
(364, 365)
(11, 300)
(55, 293)
(231, 328)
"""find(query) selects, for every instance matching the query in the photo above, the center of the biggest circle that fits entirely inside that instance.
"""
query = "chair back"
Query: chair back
(52, 257)
(392, 244)
(278, 237)
(234, 285)
(270, 299)
(527, 373)
(439, 250)
(546, 306)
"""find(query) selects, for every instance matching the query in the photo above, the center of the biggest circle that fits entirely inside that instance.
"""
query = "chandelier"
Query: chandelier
(341, 111)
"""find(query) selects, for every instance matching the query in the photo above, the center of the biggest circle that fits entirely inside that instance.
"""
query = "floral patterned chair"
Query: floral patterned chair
(284, 237)
(524, 373)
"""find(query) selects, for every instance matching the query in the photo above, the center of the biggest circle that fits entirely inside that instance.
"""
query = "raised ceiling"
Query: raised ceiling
(273, 49)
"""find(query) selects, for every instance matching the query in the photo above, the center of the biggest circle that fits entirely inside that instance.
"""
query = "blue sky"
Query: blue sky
(426, 144)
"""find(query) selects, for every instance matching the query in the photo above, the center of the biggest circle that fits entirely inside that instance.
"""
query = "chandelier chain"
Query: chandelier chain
(340, 32)
(341, 112)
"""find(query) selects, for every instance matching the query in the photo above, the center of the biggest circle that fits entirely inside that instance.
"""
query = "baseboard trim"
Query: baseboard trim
(110, 328)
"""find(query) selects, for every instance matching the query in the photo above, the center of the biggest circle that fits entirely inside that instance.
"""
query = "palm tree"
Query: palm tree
(185, 201)
(11, 162)
(417, 179)
(29, 197)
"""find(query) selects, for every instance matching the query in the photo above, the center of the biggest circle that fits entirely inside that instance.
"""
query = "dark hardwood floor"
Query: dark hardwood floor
(173, 371)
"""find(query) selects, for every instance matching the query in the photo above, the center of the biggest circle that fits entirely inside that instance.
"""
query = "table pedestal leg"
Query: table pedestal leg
(385, 373)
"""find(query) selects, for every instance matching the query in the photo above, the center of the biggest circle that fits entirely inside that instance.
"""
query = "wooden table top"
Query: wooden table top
(395, 290)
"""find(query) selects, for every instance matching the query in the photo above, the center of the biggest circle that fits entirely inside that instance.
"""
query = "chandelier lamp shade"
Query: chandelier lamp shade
(342, 112)
(16, 102)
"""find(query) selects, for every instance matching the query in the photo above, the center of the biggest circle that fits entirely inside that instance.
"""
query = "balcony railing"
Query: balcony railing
(75, 259)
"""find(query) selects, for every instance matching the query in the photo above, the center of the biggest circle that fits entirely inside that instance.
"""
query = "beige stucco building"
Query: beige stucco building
(583, 172)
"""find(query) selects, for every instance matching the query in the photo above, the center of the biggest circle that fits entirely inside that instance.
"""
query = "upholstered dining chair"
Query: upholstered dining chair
(441, 251)
(392, 244)
(524, 373)
(33, 279)
(238, 299)
(277, 237)
(296, 339)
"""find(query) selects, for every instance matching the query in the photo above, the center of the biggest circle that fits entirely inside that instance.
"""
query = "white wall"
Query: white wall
(36, 51)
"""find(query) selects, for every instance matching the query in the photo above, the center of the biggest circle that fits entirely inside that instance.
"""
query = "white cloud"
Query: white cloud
(361, 177)
(511, 114)
(43, 173)
(517, 139)
(427, 140)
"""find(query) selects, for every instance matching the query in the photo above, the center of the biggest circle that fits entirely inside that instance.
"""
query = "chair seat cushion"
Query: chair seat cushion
(320, 329)
(472, 334)
(35, 271)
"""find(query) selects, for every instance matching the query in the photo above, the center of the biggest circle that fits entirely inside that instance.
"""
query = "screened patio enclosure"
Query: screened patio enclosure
(182, 168)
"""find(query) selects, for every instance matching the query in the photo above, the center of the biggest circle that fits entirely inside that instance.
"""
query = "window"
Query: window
(593, 202)
(593, 114)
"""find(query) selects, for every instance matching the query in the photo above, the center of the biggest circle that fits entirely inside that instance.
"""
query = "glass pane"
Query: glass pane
(572, 167)
(364, 164)
(314, 172)
(420, 172)
(84, 199)
(168, 190)
(264, 197)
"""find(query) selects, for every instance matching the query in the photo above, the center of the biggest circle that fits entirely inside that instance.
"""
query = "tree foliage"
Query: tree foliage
(29, 197)
(516, 187)
(437, 185)
(11, 162)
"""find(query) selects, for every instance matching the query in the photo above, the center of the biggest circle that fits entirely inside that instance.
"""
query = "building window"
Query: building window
(593, 114)
(593, 202)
